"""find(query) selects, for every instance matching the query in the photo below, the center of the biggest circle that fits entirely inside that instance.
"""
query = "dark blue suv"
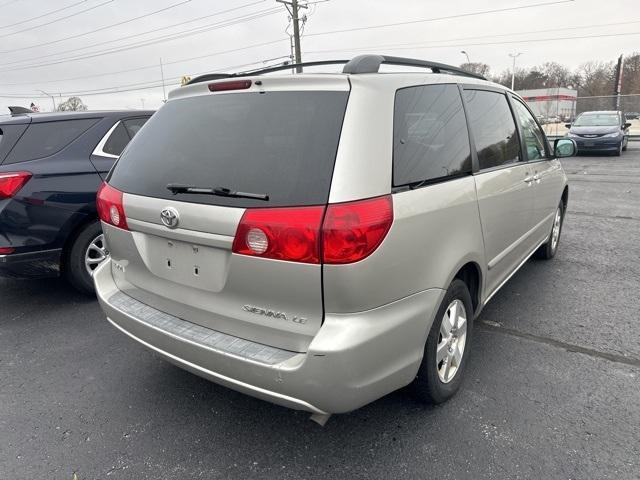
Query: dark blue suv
(51, 165)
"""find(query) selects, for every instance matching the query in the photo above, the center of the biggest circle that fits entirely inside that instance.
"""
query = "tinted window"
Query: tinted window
(44, 139)
(494, 130)
(533, 136)
(134, 124)
(116, 142)
(278, 143)
(430, 138)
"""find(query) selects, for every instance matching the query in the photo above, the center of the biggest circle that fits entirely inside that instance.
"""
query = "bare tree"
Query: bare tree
(73, 104)
(476, 67)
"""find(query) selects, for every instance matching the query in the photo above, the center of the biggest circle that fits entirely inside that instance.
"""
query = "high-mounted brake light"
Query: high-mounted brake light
(12, 182)
(350, 231)
(110, 206)
(231, 85)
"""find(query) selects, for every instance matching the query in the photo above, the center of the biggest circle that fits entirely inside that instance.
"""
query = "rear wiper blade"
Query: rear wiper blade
(176, 188)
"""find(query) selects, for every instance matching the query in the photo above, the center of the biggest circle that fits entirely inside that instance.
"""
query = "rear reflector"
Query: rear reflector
(110, 206)
(350, 231)
(6, 250)
(12, 182)
(232, 85)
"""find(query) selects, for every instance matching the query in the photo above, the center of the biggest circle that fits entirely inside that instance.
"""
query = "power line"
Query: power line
(43, 15)
(147, 67)
(56, 20)
(505, 42)
(165, 38)
(111, 90)
(437, 19)
(90, 32)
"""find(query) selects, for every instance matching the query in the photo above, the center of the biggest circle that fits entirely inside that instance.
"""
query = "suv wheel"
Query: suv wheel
(447, 347)
(86, 253)
(549, 249)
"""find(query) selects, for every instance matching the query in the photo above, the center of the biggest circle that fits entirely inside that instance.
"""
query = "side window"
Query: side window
(533, 136)
(117, 141)
(430, 138)
(134, 124)
(46, 138)
(494, 129)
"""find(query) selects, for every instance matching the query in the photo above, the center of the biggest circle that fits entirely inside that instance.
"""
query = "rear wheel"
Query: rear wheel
(85, 254)
(549, 249)
(446, 350)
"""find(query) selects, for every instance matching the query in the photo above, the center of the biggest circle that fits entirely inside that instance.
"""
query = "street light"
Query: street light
(465, 54)
(52, 99)
(513, 70)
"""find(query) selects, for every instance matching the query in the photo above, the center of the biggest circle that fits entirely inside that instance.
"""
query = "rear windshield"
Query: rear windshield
(282, 144)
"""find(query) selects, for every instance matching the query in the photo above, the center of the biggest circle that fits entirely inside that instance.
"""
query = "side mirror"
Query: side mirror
(568, 125)
(626, 125)
(564, 147)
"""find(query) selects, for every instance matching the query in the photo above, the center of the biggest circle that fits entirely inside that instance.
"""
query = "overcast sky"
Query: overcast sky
(36, 57)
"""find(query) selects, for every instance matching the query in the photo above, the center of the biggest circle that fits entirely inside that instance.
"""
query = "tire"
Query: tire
(429, 385)
(618, 152)
(624, 149)
(75, 267)
(548, 250)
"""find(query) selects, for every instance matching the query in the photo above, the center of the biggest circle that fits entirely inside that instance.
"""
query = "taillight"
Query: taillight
(353, 230)
(110, 207)
(12, 182)
(6, 250)
(291, 234)
(350, 231)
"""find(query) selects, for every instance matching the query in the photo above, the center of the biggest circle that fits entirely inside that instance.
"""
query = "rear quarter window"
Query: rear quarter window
(430, 138)
(47, 138)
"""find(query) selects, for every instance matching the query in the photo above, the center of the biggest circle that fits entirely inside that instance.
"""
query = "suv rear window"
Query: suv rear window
(282, 144)
(46, 138)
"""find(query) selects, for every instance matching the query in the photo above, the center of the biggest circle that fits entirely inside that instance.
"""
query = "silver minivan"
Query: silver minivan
(321, 240)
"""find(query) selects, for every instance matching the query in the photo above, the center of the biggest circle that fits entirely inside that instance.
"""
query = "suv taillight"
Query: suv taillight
(12, 182)
(348, 232)
(110, 207)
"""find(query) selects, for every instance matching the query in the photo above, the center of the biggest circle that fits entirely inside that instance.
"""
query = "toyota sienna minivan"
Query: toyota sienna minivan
(321, 240)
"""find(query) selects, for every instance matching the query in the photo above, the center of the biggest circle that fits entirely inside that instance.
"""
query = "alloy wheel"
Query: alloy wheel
(96, 253)
(451, 341)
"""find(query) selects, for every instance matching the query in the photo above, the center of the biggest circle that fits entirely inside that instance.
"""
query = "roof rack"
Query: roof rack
(357, 65)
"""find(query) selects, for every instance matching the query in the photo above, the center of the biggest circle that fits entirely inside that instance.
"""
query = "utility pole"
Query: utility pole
(618, 86)
(53, 100)
(164, 93)
(513, 69)
(294, 8)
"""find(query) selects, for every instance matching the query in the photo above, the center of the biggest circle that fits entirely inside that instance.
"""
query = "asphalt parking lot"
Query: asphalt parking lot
(552, 390)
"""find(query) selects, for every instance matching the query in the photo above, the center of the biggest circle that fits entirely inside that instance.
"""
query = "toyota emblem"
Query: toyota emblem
(170, 217)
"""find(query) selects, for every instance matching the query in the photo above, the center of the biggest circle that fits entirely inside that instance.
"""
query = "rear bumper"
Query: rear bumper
(353, 359)
(43, 263)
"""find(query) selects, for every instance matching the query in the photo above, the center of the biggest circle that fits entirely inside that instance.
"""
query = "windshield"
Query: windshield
(597, 120)
(280, 144)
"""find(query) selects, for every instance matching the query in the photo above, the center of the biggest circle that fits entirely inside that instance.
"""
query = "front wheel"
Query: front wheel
(85, 254)
(447, 347)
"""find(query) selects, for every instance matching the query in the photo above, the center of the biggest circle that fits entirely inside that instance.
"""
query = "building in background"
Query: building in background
(549, 103)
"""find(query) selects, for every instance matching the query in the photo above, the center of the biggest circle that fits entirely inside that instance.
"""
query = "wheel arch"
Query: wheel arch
(71, 237)
(471, 274)
(565, 197)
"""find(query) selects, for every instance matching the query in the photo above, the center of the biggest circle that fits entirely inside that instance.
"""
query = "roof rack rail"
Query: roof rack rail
(260, 71)
(357, 65)
(371, 64)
